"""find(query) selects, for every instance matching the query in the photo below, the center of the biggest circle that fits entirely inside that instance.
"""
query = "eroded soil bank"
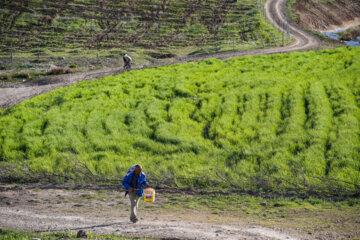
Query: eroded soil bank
(327, 15)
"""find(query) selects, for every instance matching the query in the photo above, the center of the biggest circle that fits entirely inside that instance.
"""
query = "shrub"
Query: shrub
(6, 77)
(3, 66)
(70, 70)
(59, 70)
(56, 71)
(25, 75)
(161, 55)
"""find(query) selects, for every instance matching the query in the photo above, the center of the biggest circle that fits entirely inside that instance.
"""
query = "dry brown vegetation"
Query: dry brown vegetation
(149, 24)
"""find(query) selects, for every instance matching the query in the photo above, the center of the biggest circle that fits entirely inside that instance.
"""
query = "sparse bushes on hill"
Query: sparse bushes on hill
(146, 24)
(23, 75)
(2, 66)
(12, 76)
(57, 71)
(350, 35)
(60, 70)
(6, 77)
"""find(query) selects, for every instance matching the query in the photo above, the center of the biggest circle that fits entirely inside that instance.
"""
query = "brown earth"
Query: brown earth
(105, 210)
(327, 15)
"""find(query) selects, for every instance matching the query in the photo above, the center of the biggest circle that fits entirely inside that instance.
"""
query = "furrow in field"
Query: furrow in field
(242, 99)
(355, 88)
(272, 118)
(264, 105)
(250, 119)
(208, 109)
(318, 127)
(343, 153)
(292, 135)
(284, 112)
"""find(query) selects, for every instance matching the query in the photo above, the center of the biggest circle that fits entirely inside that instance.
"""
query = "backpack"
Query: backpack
(127, 59)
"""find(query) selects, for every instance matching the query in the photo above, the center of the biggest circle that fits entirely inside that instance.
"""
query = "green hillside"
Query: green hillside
(273, 122)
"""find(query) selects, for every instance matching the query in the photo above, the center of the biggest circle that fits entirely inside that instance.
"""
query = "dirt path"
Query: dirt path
(274, 10)
(172, 228)
(107, 212)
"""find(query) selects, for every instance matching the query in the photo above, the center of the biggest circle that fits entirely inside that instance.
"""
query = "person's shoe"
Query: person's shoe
(135, 220)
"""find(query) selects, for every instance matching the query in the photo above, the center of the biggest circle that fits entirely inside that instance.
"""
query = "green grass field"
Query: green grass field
(271, 122)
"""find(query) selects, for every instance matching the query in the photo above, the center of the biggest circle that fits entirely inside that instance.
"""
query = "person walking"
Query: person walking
(134, 182)
(127, 59)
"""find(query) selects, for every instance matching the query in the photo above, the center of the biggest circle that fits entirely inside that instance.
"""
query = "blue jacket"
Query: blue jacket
(141, 182)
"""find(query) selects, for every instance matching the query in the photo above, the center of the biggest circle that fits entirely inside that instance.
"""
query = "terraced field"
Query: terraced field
(145, 23)
(96, 33)
(274, 122)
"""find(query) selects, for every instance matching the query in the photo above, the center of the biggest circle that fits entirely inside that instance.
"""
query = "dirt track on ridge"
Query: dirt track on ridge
(274, 10)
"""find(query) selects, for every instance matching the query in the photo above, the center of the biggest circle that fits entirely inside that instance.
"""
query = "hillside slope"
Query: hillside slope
(326, 15)
(119, 24)
(272, 122)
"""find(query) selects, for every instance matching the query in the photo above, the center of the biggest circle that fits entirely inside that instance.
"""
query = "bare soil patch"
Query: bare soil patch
(105, 210)
(327, 15)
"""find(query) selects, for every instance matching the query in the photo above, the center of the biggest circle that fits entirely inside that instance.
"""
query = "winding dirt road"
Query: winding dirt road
(274, 10)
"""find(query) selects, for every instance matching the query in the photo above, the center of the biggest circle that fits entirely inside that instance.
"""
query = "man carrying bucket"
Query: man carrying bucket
(134, 183)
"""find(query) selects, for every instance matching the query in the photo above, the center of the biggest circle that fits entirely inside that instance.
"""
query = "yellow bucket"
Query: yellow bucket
(149, 195)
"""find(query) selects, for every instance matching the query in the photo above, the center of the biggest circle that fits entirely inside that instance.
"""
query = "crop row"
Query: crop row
(135, 23)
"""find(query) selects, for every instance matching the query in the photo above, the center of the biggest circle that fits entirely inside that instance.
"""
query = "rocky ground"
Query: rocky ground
(327, 15)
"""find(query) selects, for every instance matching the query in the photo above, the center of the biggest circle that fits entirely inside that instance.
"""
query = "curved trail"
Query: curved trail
(274, 10)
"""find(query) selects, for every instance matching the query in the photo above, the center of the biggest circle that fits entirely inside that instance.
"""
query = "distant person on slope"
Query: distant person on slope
(134, 183)
(127, 59)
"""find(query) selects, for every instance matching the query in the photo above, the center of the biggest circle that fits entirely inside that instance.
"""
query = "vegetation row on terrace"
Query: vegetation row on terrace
(273, 121)
(120, 23)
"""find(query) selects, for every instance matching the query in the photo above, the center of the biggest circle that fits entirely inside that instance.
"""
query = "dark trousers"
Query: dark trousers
(127, 66)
